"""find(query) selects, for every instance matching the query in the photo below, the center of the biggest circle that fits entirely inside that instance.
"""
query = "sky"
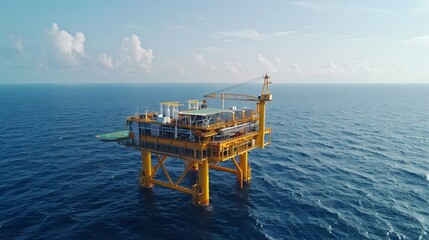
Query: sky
(297, 41)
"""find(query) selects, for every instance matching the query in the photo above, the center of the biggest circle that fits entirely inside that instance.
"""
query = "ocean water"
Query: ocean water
(346, 162)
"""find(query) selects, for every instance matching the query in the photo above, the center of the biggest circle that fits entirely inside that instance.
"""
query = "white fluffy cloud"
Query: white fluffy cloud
(201, 61)
(132, 56)
(106, 61)
(65, 48)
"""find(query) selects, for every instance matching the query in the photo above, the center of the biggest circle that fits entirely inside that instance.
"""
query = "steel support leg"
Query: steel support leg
(203, 179)
(244, 165)
(146, 173)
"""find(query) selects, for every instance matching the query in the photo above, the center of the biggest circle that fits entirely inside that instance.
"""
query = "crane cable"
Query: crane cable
(234, 86)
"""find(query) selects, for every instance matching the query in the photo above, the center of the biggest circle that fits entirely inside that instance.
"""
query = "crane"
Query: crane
(261, 100)
(220, 94)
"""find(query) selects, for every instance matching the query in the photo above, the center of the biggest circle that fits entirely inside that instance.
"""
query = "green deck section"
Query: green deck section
(205, 111)
(114, 136)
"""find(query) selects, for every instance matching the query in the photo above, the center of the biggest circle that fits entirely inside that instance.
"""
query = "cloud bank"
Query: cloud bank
(64, 48)
(132, 57)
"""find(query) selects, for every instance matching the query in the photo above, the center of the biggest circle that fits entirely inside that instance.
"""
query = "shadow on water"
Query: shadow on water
(242, 194)
(147, 197)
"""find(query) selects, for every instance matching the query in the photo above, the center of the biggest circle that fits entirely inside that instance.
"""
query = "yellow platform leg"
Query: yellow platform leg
(203, 179)
(261, 135)
(244, 166)
(146, 173)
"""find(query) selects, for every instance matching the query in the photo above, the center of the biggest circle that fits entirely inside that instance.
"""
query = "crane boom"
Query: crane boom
(235, 86)
(220, 94)
(232, 96)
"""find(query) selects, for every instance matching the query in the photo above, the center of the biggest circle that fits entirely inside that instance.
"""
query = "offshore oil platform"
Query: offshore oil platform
(201, 136)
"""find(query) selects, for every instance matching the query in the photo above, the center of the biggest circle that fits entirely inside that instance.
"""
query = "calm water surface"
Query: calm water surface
(346, 161)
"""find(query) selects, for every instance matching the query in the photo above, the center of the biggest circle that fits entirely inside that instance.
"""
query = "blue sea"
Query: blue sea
(347, 161)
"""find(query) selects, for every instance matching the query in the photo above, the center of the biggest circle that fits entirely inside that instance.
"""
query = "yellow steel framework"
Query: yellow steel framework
(201, 137)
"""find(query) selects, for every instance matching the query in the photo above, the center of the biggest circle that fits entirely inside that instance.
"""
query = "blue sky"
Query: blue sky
(300, 41)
